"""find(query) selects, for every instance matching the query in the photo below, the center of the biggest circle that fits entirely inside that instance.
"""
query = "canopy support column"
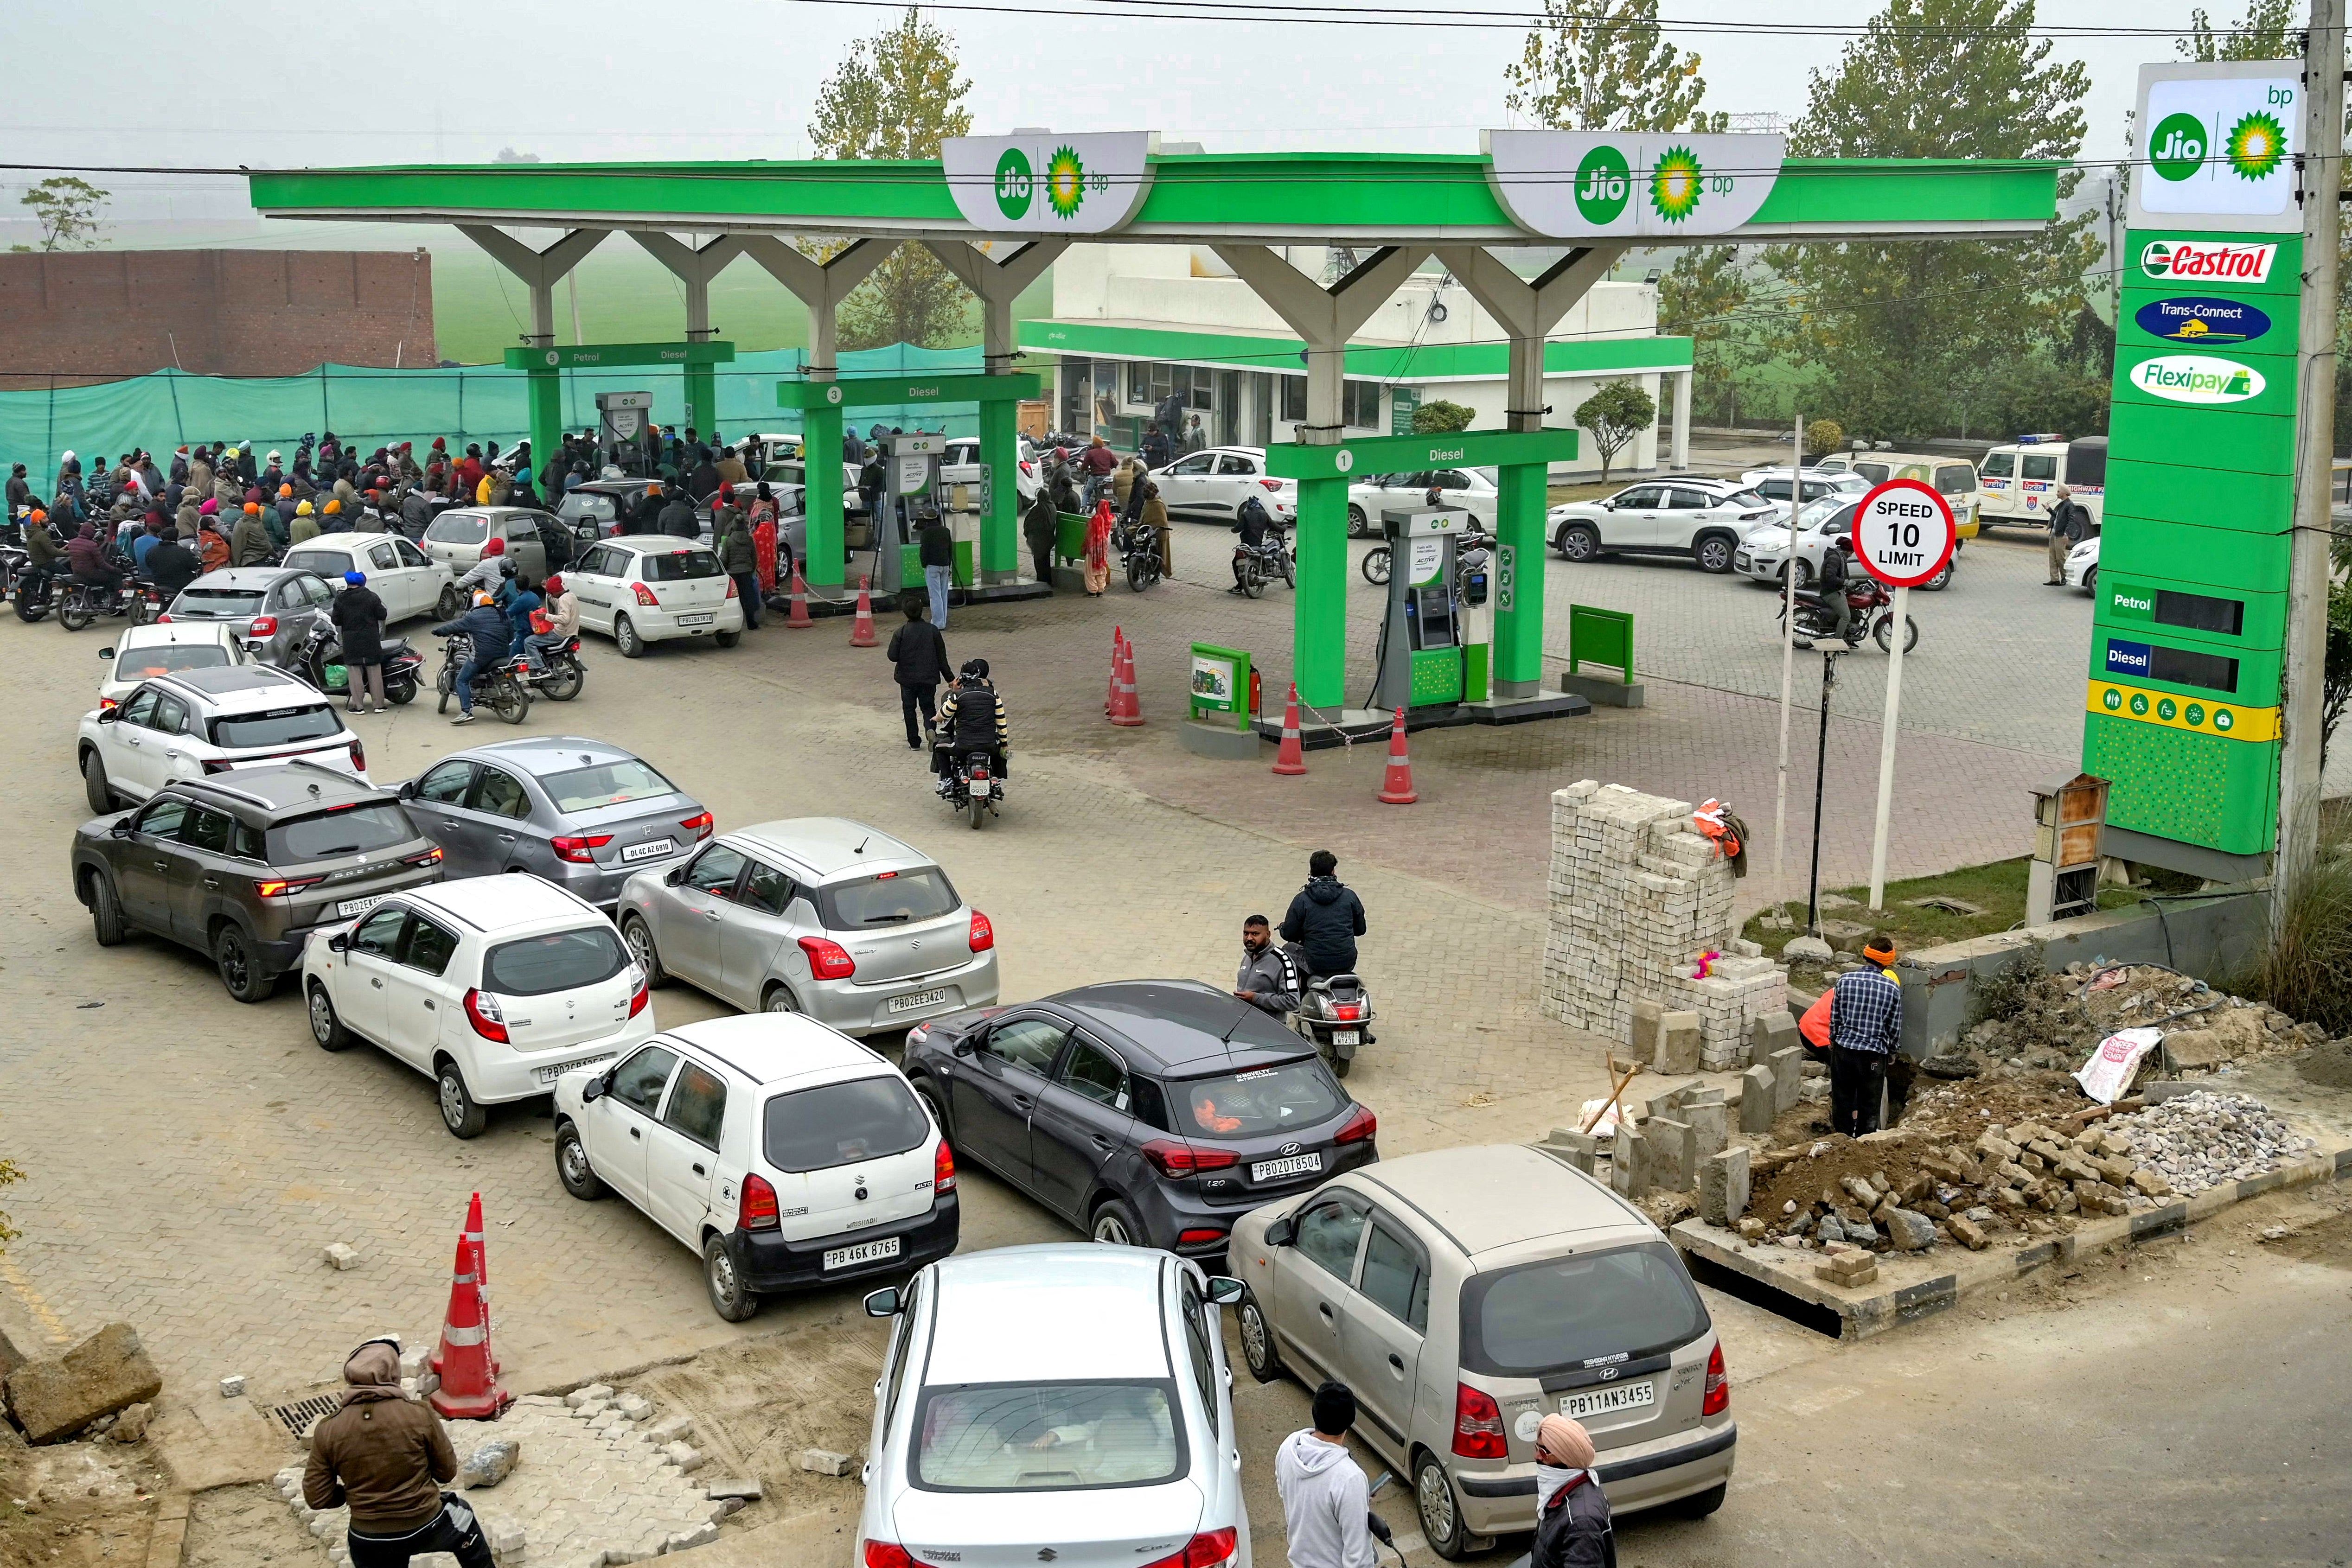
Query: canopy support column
(538, 271)
(821, 286)
(695, 270)
(1527, 312)
(1324, 318)
(999, 283)
(1680, 458)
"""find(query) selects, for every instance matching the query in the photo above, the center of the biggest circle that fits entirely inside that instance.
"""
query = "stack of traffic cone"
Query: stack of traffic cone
(1290, 757)
(481, 1272)
(1110, 692)
(1126, 710)
(469, 1387)
(1397, 789)
(799, 620)
(861, 633)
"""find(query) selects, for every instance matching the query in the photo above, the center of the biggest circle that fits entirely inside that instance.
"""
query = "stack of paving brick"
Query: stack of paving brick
(1740, 988)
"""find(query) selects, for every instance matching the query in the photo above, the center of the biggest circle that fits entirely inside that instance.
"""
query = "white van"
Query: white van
(1953, 478)
(2017, 481)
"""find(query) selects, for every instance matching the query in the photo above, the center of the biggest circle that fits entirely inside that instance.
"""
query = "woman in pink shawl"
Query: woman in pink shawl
(1098, 548)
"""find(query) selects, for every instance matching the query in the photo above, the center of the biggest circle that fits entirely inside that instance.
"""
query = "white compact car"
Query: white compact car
(644, 588)
(164, 648)
(787, 1155)
(407, 581)
(203, 721)
(1684, 515)
(2082, 569)
(1208, 486)
(494, 987)
(1472, 489)
(995, 1443)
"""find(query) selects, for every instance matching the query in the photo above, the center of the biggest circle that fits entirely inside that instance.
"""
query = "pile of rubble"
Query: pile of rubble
(2196, 1140)
(2054, 1022)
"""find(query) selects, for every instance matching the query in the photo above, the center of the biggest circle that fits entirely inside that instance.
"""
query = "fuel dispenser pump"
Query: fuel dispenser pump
(1422, 637)
(964, 501)
(914, 496)
(624, 428)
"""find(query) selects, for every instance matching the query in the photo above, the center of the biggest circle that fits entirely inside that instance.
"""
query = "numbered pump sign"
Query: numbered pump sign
(1904, 533)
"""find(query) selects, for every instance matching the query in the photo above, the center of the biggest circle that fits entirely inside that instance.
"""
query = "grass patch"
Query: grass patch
(1998, 889)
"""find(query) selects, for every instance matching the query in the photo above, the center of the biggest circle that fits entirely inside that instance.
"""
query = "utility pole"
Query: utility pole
(1788, 663)
(2309, 562)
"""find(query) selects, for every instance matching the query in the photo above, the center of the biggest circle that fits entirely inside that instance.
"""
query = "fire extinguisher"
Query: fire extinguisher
(1257, 692)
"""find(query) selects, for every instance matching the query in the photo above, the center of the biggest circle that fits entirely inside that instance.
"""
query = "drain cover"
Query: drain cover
(298, 1417)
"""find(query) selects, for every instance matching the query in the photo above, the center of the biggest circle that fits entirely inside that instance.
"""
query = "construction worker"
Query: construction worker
(1865, 1029)
(387, 1456)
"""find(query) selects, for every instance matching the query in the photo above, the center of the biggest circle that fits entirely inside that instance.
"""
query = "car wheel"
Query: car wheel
(1713, 553)
(1698, 1505)
(1440, 1521)
(571, 1166)
(240, 970)
(2091, 581)
(639, 937)
(1115, 1224)
(625, 638)
(930, 1099)
(326, 1028)
(726, 639)
(94, 786)
(106, 912)
(1578, 542)
(1359, 526)
(1264, 1363)
(1804, 570)
(459, 1112)
(450, 606)
(1943, 578)
(729, 1299)
(778, 1000)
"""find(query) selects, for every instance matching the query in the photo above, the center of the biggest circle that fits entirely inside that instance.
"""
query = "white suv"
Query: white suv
(194, 723)
(1682, 515)
(494, 987)
(644, 588)
(785, 1154)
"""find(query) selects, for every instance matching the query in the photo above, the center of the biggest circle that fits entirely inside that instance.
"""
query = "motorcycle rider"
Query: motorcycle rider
(45, 559)
(1831, 585)
(172, 566)
(486, 624)
(1325, 919)
(1250, 522)
(972, 716)
(1268, 980)
(92, 563)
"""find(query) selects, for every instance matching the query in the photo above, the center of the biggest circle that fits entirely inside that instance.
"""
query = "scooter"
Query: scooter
(318, 661)
(1874, 615)
(1335, 1011)
(973, 785)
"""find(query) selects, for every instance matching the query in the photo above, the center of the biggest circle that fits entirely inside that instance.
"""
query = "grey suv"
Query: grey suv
(242, 868)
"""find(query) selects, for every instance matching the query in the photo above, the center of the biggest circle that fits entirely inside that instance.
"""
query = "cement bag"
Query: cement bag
(2113, 1066)
(1606, 1127)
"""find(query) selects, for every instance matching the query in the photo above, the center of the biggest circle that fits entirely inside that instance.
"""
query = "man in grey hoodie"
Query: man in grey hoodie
(1326, 1501)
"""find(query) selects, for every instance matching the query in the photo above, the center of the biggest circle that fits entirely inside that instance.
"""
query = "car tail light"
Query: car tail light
(644, 595)
(828, 960)
(641, 995)
(579, 848)
(1210, 1548)
(262, 626)
(943, 1168)
(1718, 1386)
(430, 857)
(1348, 1015)
(359, 755)
(984, 935)
(106, 705)
(483, 1012)
(1269, 483)
(756, 1209)
(281, 889)
(730, 588)
(1172, 1158)
(699, 826)
(164, 619)
(1358, 1128)
(1477, 1424)
(217, 764)
(885, 1553)
(1198, 1238)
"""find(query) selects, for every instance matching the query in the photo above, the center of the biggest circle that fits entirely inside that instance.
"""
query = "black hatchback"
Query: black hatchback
(1148, 1112)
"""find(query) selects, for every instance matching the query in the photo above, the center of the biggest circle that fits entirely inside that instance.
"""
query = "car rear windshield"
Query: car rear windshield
(278, 726)
(1257, 1102)
(886, 898)
(164, 658)
(864, 1119)
(204, 603)
(681, 566)
(561, 960)
(1577, 1311)
(1048, 1437)
(458, 528)
(346, 830)
(606, 784)
(325, 562)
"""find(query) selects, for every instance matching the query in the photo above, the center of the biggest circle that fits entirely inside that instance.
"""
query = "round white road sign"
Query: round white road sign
(1904, 533)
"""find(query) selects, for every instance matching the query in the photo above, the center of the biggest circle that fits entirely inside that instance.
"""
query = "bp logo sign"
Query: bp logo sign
(1675, 183)
(2196, 378)
(2251, 150)
(1013, 183)
(1065, 183)
(2222, 142)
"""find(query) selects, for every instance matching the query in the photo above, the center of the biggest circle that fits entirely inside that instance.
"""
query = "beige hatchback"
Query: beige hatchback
(1466, 1293)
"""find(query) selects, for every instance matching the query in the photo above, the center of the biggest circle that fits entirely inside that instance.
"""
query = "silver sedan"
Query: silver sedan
(584, 814)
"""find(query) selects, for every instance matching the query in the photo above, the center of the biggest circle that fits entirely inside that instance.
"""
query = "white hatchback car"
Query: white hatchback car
(1209, 486)
(785, 1153)
(407, 581)
(644, 588)
(2082, 569)
(1472, 489)
(1002, 1437)
(205, 721)
(494, 987)
(164, 648)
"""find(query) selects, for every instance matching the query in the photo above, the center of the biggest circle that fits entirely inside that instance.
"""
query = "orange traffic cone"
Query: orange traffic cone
(1397, 789)
(1126, 711)
(861, 633)
(799, 620)
(1291, 756)
(469, 1387)
(1110, 693)
(481, 1270)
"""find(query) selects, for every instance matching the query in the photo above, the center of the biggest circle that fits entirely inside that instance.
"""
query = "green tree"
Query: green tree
(1605, 67)
(1440, 417)
(1899, 335)
(1619, 411)
(67, 210)
(1705, 297)
(2266, 32)
(898, 94)
(1823, 437)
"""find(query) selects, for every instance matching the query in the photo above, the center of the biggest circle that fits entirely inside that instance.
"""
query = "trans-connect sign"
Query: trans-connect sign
(1572, 185)
(1038, 182)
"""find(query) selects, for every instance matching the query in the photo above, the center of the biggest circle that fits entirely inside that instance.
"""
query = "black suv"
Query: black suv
(241, 867)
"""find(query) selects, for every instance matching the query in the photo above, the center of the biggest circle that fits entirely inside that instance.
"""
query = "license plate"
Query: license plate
(549, 1075)
(698, 620)
(912, 1001)
(647, 852)
(1600, 1401)
(352, 907)
(864, 1252)
(1297, 1164)
(1346, 1036)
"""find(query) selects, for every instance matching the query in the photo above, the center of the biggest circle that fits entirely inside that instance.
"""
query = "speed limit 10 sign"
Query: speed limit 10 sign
(1904, 533)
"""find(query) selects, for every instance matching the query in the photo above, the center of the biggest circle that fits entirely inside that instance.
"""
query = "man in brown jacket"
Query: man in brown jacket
(386, 1455)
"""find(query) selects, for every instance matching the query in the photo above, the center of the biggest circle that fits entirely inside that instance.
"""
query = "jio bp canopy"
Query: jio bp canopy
(1033, 182)
(1577, 184)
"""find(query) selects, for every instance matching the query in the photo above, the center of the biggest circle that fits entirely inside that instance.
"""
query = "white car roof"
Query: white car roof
(160, 634)
(241, 688)
(986, 1317)
(341, 541)
(503, 902)
(1498, 1194)
(783, 1050)
(829, 846)
(653, 544)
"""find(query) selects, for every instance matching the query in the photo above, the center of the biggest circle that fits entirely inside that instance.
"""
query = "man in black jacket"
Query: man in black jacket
(677, 516)
(918, 662)
(1324, 918)
(2070, 525)
(486, 626)
(1835, 570)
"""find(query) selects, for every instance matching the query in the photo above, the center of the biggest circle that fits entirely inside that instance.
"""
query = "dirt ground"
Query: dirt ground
(237, 1527)
(76, 1505)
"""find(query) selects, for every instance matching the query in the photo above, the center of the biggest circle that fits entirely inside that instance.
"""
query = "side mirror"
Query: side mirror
(883, 1303)
(407, 791)
(593, 1090)
(106, 652)
(675, 875)
(1224, 1289)
(340, 941)
(1282, 1232)
(109, 714)
(120, 827)
(965, 1045)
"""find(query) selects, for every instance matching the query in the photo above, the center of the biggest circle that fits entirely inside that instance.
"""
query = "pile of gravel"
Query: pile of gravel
(2203, 1140)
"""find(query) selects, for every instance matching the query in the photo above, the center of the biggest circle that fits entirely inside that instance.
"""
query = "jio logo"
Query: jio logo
(1604, 182)
(1016, 183)
(2177, 150)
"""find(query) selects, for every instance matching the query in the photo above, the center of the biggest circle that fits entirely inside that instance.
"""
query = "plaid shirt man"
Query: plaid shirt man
(1865, 1013)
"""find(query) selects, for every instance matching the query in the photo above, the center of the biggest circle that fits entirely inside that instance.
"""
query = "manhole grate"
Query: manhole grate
(296, 1417)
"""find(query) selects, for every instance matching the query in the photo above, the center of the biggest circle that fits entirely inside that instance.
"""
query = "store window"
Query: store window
(1360, 403)
(1151, 384)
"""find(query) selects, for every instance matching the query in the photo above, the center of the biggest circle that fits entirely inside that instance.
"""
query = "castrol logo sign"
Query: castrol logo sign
(2191, 258)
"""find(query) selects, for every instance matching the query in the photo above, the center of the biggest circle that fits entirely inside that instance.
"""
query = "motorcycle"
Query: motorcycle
(1335, 1013)
(973, 787)
(565, 675)
(1473, 559)
(84, 602)
(1139, 546)
(1255, 566)
(35, 594)
(318, 661)
(503, 685)
(1874, 615)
